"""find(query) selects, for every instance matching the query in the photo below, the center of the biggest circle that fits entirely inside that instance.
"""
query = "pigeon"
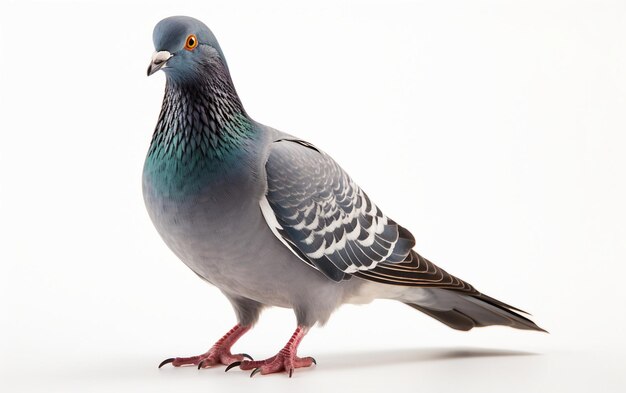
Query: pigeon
(272, 220)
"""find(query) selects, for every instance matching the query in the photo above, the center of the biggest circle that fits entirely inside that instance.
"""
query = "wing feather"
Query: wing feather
(323, 216)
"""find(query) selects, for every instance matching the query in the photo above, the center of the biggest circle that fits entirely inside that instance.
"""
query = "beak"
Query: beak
(159, 59)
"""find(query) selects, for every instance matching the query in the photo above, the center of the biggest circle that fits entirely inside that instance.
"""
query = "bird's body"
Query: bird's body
(271, 220)
(242, 257)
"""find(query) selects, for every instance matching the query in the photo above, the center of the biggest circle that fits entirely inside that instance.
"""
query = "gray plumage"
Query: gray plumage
(270, 219)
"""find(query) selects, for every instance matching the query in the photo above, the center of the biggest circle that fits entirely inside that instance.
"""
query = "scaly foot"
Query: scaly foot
(286, 360)
(217, 355)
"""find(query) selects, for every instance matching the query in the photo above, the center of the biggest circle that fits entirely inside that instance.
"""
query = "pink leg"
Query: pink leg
(218, 354)
(285, 360)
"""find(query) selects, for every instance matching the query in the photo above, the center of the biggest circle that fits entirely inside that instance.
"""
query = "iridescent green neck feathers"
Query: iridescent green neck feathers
(202, 129)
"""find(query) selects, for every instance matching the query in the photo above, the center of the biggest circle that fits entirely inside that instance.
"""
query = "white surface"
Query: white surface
(502, 126)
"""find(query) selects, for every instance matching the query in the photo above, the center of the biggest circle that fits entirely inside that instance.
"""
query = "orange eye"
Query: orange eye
(191, 42)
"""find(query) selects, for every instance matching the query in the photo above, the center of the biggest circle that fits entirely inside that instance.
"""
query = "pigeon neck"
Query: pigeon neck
(202, 133)
(201, 120)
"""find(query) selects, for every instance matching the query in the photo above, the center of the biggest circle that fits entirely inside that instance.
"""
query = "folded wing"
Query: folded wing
(323, 216)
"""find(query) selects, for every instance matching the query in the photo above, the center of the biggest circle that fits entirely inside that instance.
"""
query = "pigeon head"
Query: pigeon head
(186, 49)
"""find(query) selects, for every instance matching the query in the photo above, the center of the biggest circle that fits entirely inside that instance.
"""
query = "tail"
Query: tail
(435, 292)
(463, 311)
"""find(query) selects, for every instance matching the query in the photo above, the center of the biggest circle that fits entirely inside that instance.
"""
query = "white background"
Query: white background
(493, 130)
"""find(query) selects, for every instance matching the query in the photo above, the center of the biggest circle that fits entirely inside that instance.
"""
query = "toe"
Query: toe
(304, 362)
(250, 364)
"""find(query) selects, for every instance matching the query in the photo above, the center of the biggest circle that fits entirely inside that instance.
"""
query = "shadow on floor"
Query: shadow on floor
(389, 357)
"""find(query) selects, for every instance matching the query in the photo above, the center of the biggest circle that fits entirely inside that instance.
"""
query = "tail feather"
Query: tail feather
(464, 312)
(453, 318)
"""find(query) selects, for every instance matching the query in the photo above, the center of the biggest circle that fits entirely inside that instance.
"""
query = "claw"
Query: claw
(290, 372)
(255, 371)
(245, 355)
(200, 365)
(233, 364)
(166, 361)
(314, 361)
